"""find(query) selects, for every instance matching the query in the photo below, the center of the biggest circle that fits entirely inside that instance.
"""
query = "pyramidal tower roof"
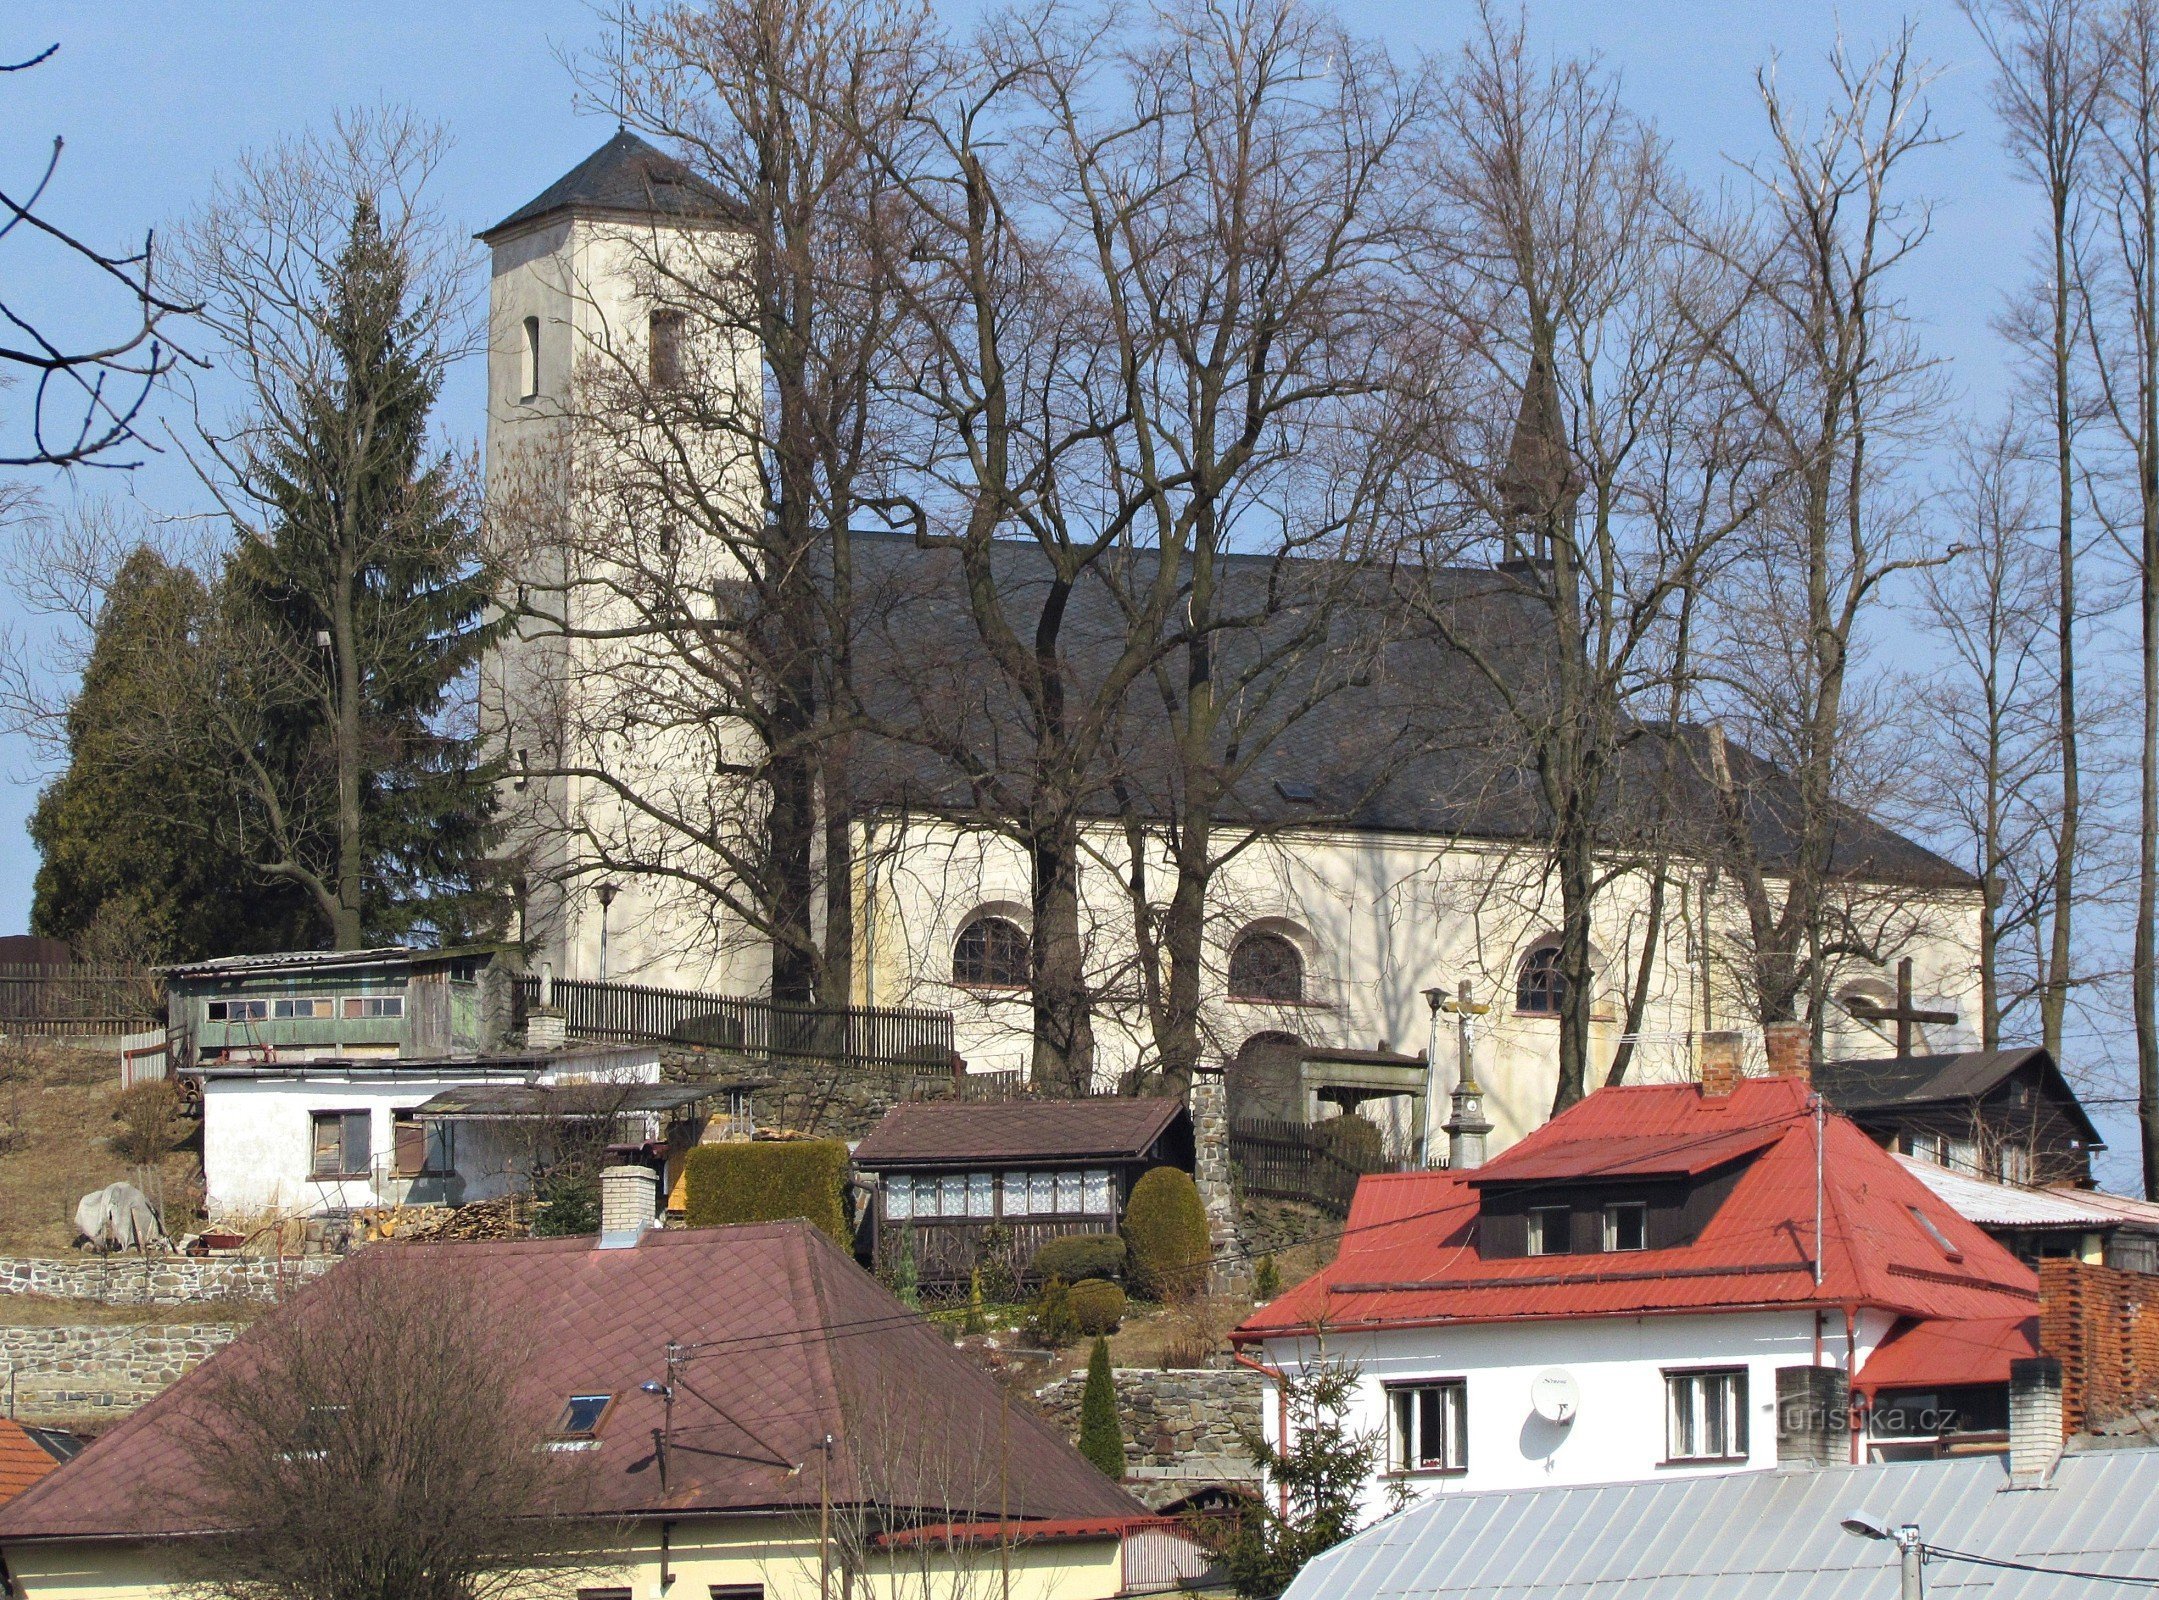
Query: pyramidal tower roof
(625, 177)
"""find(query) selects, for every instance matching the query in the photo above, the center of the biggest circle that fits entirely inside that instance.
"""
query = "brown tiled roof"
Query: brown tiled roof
(797, 1342)
(943, 1132)
(22, 1461)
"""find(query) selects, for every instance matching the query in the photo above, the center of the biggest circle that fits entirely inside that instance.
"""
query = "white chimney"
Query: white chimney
(2035, 1420)
(628, 1205)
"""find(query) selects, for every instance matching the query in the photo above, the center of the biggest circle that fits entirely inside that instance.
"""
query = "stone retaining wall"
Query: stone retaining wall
(1181, 1428)
(84, 1371)
(123, 1280)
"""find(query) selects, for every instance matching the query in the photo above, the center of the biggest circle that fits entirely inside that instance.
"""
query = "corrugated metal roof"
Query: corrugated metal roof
(1409, 1254)
(1762, 1536)
(2006, 1205)
(1923, 1354)
(509, 1101)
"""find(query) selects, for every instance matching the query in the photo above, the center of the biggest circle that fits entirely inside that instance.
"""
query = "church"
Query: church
(1386, 861)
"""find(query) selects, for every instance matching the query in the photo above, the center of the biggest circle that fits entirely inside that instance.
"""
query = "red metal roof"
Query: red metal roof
(1409, 1254)
(1922, 1355)
(22, 1461)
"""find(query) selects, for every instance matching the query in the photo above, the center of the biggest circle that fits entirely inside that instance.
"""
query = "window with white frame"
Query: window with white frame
(1706, 1414)
(1042, 1193)
(981, 1195)
(1550, 1230)
(952, 1194)
(899, 1198)
(1098, 1193)
(1428, 1426)
(1016, 1195)
(1626, 1225)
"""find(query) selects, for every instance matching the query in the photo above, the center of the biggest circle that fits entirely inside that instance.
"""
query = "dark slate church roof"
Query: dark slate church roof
(626, 176)
(1415, 742)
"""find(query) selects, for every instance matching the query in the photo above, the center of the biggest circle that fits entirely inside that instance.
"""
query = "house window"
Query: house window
(1929, 1147)
(1963, 1156)
(423, 1148)
(952, 1194)
(237, 1010)
(1541, 989)
(341, 1148)
(736, 1591)
(528, 373)
(1706, 1414)
(664, 333)
(899, 1198)
(1016, 1194)
(1266, 967)
(2013, 1163)
(990, 953)
(1098, 1193)
(981, 1194)
(374, 1005)
(1550, 1230)
(1042, 1193)
(1071, 1192)
(603, 1594)
(1430, 1426)
(1626, 1226)
(581, 1415)
(301, 1010)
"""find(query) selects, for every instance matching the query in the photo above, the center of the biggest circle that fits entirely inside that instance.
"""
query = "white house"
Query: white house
(1383, 847)
(1633, 1290)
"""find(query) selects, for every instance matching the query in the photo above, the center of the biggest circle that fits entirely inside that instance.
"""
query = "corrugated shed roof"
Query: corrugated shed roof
(1409, 1253)
(2008, 1205)
(1923, 1354)
(1761, 1536)
(800, 1343)
(489, 1101)
(23, 1461)
(932, 1132)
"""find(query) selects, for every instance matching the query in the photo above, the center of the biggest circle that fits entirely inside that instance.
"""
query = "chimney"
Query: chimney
(1719, 1053)
(1814, 1417)
(628, 1205)
(1791, 1050)
(2035, 1420)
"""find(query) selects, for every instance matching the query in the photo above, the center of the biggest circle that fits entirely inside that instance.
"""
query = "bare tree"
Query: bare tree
(374, 1441)
(2051, 92)
(1840, 389)
(88, 393)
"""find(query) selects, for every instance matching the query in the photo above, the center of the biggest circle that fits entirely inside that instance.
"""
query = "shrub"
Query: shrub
(1097, 1306)
(1166, 1226)
(1267, 1278)
(1050, 1323)
(999, 1278)
(768, 1181)
(1355, 1140)
(1101, 1438)
(150, 1121)
(568, 1203)
(1080, 1255)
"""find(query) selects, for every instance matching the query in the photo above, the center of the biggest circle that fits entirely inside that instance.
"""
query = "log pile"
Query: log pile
(509, 1217)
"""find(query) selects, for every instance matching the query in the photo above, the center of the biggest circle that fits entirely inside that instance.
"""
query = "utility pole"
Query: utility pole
(1462, 1008)
(824, 1518)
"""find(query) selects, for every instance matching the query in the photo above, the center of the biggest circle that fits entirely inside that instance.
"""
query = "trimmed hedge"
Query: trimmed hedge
(1097, 1305)
(768, 1181)
(1080, 1255)
(1166, 1226)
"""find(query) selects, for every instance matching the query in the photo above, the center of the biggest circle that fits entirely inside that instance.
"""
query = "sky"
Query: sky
(154, 98)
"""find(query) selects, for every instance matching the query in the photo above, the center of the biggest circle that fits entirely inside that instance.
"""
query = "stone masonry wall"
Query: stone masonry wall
(59, 1373)
(156, 1280)
(1181, 1428)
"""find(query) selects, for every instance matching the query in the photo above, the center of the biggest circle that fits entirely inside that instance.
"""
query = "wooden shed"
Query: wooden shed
(946, 1173)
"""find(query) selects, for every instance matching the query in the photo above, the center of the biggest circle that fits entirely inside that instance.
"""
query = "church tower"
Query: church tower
(579, 325)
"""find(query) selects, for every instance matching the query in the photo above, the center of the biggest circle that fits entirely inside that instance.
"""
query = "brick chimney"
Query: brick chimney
(629, 1204)
(1719, 1056)
(1790, 1046)
(1814, 1417)
(2035, 1420)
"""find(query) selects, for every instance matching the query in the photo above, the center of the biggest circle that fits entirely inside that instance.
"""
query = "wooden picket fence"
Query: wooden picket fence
(87, 1000)
(1303, 1161)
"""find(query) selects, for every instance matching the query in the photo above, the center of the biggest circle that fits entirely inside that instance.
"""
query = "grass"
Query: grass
(56, 1126)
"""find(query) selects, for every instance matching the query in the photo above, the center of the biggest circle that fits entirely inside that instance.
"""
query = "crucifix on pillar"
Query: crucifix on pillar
(1903, 1013)
(1462, 1008)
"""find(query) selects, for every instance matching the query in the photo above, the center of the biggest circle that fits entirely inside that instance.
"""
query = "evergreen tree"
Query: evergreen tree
(350, 615)
(130, 862)
(1321, 1468)
(1101, 1439)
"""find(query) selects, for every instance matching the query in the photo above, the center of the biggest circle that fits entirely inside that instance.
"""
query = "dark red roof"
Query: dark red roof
(1409, 1254)
(955, 1132)
(798, 1342)
(22, 1461)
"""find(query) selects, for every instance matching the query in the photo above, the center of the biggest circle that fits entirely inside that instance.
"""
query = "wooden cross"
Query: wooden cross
(1903, 1013)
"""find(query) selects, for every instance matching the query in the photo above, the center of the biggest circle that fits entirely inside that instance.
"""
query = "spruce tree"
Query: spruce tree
(1101, 1437)
(366, 593)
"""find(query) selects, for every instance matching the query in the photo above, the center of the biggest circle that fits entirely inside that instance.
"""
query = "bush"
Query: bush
(1267, 1278)
(1101, 1437)
(1080, 1255)
(1050, 1323)
(1166, 1226)
(149, 1115)
(994, 1269)
(1097, 1306)
(769, 1181)
(1355, 1140)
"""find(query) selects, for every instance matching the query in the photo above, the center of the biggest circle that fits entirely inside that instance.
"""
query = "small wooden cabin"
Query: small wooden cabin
(947, 1172)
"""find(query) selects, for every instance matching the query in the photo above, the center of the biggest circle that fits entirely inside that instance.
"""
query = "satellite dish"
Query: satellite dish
(1554, 1395)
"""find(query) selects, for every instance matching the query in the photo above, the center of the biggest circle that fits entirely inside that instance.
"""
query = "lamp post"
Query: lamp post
(1905, 1536)
(606, 893)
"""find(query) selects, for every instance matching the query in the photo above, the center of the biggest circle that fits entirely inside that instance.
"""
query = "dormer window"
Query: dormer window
(1551, 1231)
(1626, 1225)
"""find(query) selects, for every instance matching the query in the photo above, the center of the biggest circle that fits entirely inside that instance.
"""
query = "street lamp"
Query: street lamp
(606, 893)
(1864, 1524)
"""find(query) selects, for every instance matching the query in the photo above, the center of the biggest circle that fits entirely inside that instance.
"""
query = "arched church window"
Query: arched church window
(1541, 988)
(1266, 966)
(664, 336)
(990, 953)
(528, 375)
